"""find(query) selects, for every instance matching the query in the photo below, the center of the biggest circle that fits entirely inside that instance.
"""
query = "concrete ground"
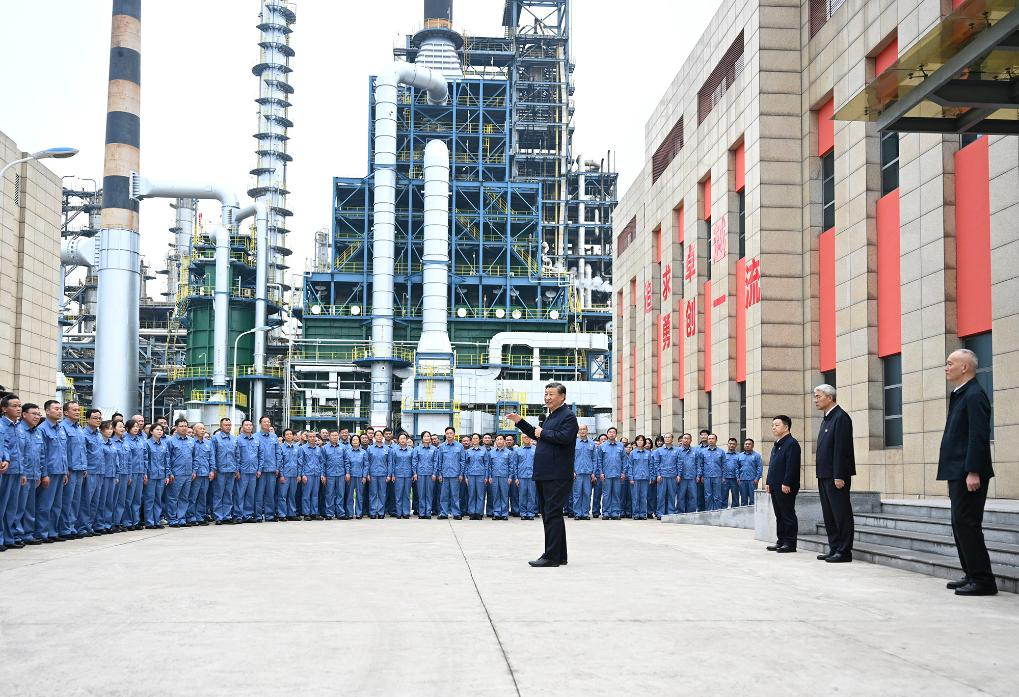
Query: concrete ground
(451, 608)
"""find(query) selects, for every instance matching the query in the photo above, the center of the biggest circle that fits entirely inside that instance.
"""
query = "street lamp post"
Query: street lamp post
(233, 391)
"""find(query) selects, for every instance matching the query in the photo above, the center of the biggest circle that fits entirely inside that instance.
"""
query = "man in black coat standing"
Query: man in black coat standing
(835, 464)
(556, 441)
(965, 462)
(783, 483)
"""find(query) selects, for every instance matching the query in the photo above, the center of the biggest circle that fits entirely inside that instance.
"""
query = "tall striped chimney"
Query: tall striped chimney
(116, 348)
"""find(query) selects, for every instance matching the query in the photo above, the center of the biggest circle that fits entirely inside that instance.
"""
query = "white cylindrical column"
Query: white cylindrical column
(221, 307)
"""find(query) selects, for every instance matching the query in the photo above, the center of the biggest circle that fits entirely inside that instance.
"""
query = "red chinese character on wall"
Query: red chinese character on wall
(719, 240)
(690, 272)
(691, 318)
(666, 332)
(666, 282)
(752, 281)
(648, 296)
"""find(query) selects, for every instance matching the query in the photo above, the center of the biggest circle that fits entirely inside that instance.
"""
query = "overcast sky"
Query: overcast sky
(198, 113)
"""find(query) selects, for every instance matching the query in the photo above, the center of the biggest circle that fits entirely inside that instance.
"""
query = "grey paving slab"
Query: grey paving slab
(451, 608)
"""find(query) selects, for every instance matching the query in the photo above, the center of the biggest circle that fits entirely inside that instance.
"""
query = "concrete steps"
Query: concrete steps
(917, 536)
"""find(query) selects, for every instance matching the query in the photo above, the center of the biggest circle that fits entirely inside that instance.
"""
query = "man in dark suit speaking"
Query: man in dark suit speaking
(556, 441)
(836, 465)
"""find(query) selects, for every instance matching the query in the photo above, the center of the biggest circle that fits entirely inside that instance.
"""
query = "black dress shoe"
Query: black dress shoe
(458, 517)
(16, 545)
(785, 549)
(3, 548)
(839, 558)
(773, 548)
(823, 557)
(973, 588)
(952, 585)
(33, 542)
(541, 562)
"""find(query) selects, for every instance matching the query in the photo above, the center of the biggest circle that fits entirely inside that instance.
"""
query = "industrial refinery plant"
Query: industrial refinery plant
(468, 266)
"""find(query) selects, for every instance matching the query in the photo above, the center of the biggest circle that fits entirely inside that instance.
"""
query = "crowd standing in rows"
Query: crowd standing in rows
(61, 480)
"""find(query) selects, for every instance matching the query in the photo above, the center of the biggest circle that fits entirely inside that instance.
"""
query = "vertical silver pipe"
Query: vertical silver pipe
(116, 352)
(221, 307)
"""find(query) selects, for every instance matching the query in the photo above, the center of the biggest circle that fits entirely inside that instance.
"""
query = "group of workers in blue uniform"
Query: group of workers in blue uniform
(64, 478)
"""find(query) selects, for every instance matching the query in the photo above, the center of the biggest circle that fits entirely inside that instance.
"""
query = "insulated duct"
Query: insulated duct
(261, 213)
(435, 253)
(221, 307)
(437, 43)
(538, 340)
(116, 347)
(384, 209)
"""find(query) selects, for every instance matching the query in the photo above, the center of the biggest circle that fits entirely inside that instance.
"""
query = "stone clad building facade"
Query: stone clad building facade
(29, 285)
(769, 246)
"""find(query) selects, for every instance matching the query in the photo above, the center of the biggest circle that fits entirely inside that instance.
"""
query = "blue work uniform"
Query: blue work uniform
(49, 500)
(334, 465)
(136, 464)
(380, 468)
(751, 469)
(686, 463)
(730, 489)
(609, 465)
(638, 473)
(289, 467)
(108, 495)
(123, 482)
(10, 483)
(92, 488)
(248, 464)
(425, 469)
(224, 445)
(403, 470)
(701, 499)
(72, 523)
(450, 461)
(665, 464)
(203, 465)
(501, 460)
(181, 452)
(477, 468)
(523, 477)
(30, 447)
(157, 463)
(265, 486)
(709, 466)
(357, 467)
(311, 470)
(583, 470)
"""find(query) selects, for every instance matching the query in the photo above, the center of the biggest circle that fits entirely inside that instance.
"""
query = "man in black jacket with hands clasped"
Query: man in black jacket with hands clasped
(556, 441)
(965, 462)
(783, 483)
(836, 464)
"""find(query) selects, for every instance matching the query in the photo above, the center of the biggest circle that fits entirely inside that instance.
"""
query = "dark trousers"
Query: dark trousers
(837, 510)
(967, 522)
(786, 525)
(552, 497)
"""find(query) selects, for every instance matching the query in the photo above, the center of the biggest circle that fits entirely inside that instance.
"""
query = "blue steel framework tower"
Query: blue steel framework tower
(514, 202)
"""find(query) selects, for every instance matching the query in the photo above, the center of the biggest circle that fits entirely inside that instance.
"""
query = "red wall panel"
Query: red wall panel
(889, 295)
(741, 321)
(658, 360)
(707, 336)
(888, 55)
(740, 167)
(680, 343)
(825, 127)
(973, 239)
(826, 281)
(633, 369)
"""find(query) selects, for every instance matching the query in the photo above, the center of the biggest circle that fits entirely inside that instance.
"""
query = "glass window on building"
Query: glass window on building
(742, 413)
(829, 378)
(893, 400)
(828, 191)
(741, 199)
(980, 344)
(967, 138)
(889, 162)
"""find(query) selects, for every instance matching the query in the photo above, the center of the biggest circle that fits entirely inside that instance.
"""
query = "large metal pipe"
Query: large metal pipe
(116, 351)
(384, 209)
(261, 213)
(435, 253)
(221, 307)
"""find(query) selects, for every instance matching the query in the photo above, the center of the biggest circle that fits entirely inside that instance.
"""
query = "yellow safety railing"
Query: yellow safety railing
(347, 253)
(198, 372)
(399, 353)
(328, 411)
(219, 394)
(424, 405)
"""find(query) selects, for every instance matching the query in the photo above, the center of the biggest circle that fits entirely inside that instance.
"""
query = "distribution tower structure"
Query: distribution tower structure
(529, 262)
